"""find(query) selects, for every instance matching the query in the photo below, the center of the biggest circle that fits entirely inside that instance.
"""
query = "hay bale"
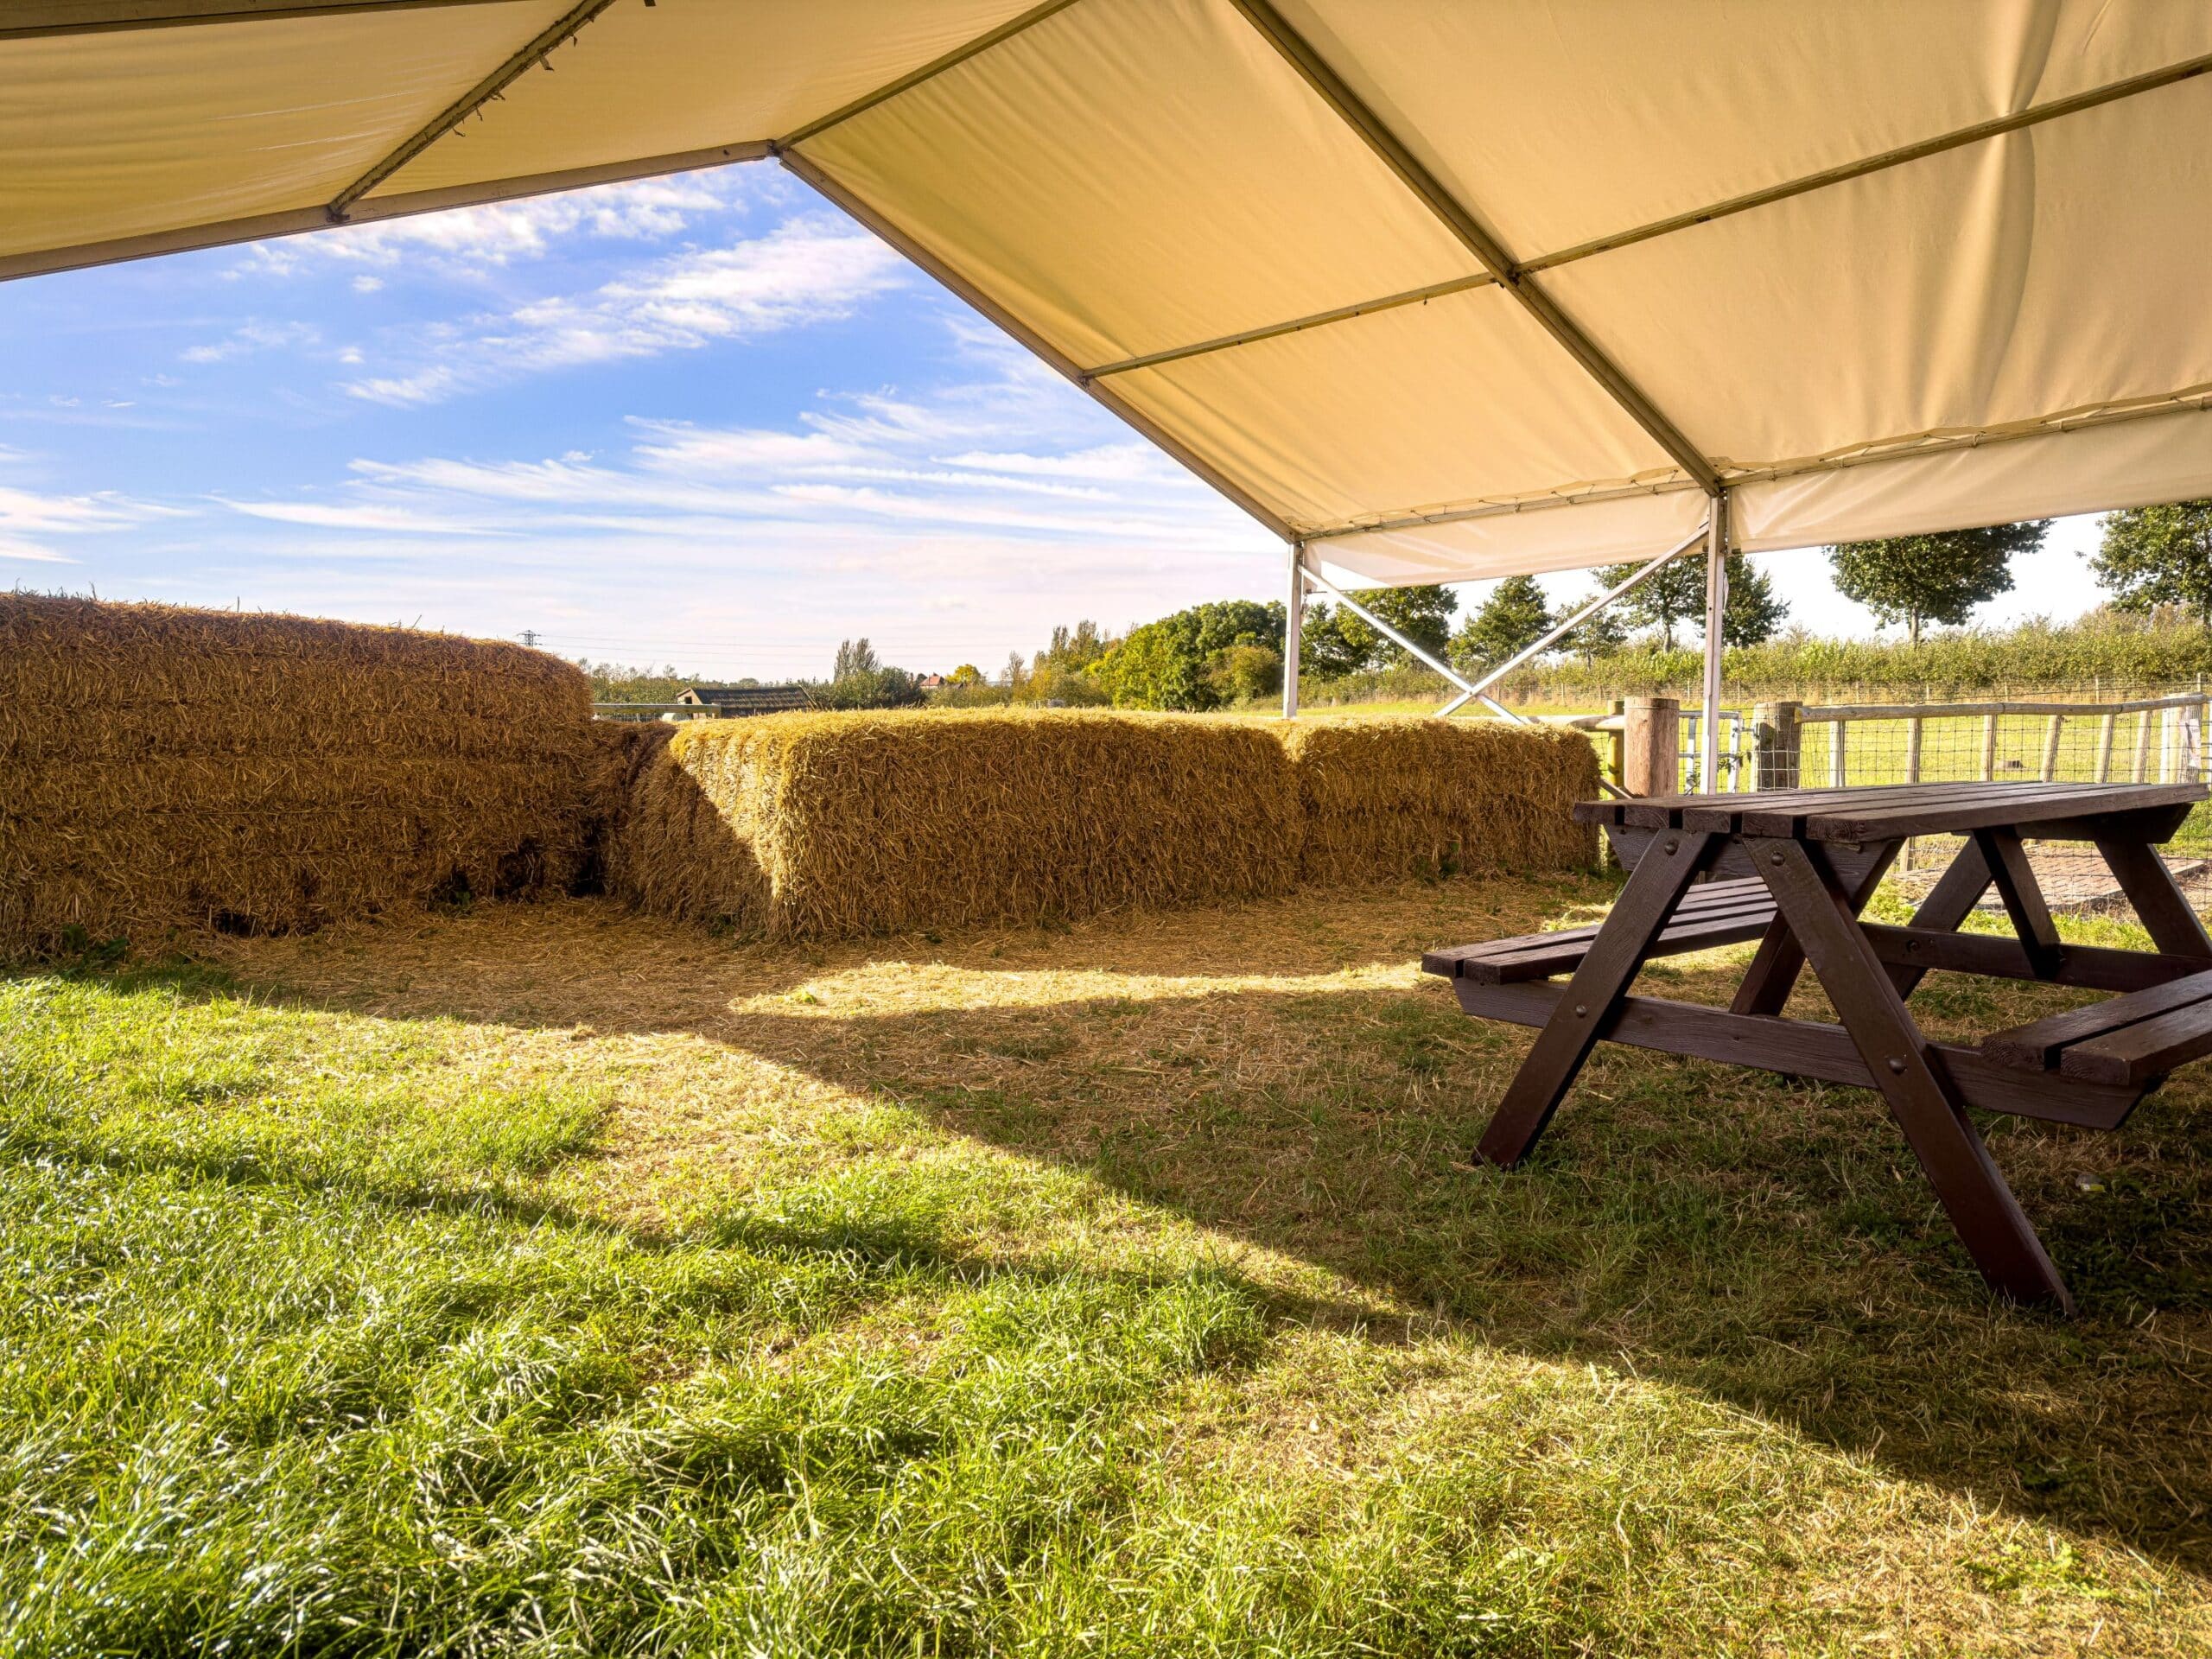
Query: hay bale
(1384, 798)
(839, 825)
(165, 769)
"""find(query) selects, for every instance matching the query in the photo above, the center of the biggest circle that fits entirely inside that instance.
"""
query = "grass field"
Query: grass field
(544, 1279)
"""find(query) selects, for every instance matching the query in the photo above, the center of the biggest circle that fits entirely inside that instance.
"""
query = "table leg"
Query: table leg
(1773, 973)
(2007, 860)
(1952, 900)
(1615, 955)
(1981, 1207)
(2159, 905)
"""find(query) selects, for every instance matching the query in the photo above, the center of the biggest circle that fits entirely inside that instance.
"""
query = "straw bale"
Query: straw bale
(165, 769)
(1392, 797)
(839, 825)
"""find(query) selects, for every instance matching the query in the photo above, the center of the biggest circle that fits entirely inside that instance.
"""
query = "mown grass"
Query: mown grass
(546, 1280)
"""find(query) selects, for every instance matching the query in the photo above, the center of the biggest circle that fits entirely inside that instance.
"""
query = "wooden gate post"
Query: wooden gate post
(1651, 760)
(1778, 740)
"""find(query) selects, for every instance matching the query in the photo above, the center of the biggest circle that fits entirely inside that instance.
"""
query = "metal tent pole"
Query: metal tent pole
(1716, 611)
(1293, 624)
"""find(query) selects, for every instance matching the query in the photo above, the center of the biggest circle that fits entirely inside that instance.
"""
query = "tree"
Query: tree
(854, 656)
(1240, 673)
(1674, 597)
(1599, 634)
(1337, 642)
(1939, 578)
(2158, 556)
(1754, 612)
(861, 681)
(1180, 662)
(1512, 619)
(966, 674)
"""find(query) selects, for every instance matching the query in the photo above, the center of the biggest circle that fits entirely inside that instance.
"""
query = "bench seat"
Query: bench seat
(2130, 1039)
(1717, 913)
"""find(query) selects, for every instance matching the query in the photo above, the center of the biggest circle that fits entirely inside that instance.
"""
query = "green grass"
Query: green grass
(548, 1280)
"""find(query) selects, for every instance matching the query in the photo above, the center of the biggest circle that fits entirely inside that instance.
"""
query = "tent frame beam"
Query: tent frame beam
(60, 17)
(541, 46)
(1456, 217)
(372, 210)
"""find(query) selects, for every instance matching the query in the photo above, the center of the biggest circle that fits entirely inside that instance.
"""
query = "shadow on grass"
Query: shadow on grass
(1765, 1241)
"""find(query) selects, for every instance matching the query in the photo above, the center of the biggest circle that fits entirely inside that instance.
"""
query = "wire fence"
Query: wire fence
(2089, 734)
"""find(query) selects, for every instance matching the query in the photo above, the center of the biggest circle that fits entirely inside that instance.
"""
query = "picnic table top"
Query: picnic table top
(1883, 812)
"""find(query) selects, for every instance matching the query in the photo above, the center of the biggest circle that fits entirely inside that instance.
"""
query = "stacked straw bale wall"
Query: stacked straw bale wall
(830, 825)
(165, 769)
(1395, 797)
(824, 825)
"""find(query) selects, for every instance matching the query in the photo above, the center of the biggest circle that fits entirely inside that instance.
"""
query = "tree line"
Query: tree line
(1215, 655)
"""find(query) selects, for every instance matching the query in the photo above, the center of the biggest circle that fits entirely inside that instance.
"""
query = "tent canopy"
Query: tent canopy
(1443, 291)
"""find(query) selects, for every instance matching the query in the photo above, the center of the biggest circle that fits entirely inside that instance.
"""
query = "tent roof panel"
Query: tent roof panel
(1973, 285)
(656, 81)
(1530, 536)
(1311, 420)
(119, 134)
(1304, 224)
(1676, 107)
(1115, 237)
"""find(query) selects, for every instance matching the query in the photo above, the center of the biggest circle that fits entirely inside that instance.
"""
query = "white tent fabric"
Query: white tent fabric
(1441, 290)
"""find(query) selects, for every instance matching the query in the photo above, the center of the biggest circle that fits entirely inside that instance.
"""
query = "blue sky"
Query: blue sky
(704, 419)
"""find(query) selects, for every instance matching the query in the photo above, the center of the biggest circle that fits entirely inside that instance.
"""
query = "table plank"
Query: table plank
(1849, 814)
(1805, 1048)
(2039, 1043)
(1846, 823)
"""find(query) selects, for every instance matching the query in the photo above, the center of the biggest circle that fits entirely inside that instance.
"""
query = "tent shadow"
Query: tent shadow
(1756, 1240)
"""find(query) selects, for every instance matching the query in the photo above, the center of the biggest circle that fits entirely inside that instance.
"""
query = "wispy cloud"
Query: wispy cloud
(255, 336)
(809, 269)
(465, 239)
(951, 521)
(28, 518)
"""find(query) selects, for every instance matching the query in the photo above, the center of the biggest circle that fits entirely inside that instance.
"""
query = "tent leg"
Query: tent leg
(1716, 610)
(1294, 626)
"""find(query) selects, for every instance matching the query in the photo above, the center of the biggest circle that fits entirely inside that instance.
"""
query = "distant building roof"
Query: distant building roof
(746, 699)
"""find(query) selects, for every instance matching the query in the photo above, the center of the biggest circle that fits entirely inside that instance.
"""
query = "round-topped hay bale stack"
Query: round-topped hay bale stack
(1395, 797)
(840, 825)
(165, 769)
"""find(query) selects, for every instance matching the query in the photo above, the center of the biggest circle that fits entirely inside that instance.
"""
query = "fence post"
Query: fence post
(1839, 772)
(2104, 747)
(2142, 746)
(1988, 747)
(2169, 745)
(2050, 747)
(1651, 762)
(1777, 744)
(1616, 746)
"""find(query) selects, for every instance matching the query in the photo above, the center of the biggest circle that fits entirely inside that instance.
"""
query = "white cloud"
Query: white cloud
(256, 336)
(472, 239)
(368, 284)
(362, 515)
(809, 270)
(25, 514)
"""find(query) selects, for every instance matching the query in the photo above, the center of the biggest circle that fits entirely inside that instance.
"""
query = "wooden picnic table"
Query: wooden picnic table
(1793, 869)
